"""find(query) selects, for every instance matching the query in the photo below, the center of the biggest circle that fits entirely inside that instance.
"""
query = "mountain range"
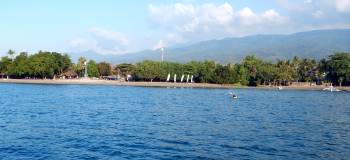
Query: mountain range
(315, 44)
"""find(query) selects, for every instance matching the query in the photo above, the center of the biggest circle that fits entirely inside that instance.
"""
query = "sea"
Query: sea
(124, 122)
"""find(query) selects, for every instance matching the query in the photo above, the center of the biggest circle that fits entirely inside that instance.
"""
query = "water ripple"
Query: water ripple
(108, 122)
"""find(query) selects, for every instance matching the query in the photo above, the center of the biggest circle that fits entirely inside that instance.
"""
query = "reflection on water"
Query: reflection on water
(109, 122)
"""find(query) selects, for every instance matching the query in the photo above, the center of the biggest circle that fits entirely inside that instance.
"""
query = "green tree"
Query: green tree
(62, 62)
(338, 66)
(243, 75)
(268, 73)
(225, 74)
(104, 68)
(252, 64)
(5, 65)
(125, 69)
(42, 65)
(147, 70)
(20, 66)
(285, 71)
(306, 72)
(11, 53)
(295, 64)
(207, 72)
(92, 69)
(80, 66)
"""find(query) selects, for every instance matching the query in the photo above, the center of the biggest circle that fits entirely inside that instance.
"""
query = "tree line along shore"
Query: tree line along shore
(251, 71)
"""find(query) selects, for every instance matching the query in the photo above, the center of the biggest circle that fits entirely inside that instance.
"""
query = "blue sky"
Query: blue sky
(115, 27)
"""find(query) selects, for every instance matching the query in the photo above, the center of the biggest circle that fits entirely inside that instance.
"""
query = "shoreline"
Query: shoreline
(155, 84)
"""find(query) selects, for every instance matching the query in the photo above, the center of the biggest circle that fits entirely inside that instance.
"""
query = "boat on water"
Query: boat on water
(234, 96)
(280, 87)
(331, 88)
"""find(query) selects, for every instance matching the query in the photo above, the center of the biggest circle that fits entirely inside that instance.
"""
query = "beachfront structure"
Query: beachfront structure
(112, 77)
(70, 74)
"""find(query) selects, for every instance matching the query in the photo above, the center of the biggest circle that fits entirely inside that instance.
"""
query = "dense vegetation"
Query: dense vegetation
(40, 65)
(251, 71)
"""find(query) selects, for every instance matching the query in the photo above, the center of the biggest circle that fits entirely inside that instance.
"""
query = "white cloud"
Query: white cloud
(110, 35)
(159, 44)
(318, 14)
(80, 43)
(220, 14)
(168, 40)
(210, 21)
(273, 17)
(248, 17)
(308, 1)
(190, 18)
(101, 41)
(342, 5)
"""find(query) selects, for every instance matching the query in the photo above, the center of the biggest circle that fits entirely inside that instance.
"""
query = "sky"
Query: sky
(122, 27)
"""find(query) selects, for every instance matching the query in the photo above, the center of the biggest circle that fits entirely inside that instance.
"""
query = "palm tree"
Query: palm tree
(11, 53)
(296, 66)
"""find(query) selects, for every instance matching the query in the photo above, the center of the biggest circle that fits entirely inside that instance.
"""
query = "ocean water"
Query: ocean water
(114, 122)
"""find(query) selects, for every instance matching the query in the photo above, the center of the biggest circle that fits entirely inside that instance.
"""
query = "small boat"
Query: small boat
(233, 95)
(331, 88)
(280, 87)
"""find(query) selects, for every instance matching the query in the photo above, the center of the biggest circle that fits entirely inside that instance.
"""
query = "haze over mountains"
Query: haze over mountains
(311, 44)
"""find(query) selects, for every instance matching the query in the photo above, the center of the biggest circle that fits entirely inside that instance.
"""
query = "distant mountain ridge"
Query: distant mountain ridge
(315, 44)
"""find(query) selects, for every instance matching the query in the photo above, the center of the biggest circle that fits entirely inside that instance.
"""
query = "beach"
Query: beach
(154, 84)
(114, 83)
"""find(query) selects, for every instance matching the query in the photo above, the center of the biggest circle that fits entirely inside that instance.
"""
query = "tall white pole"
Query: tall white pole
(162, 49)
(86, 73)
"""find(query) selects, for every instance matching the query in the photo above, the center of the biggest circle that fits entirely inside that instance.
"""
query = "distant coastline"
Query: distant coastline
(154, 84)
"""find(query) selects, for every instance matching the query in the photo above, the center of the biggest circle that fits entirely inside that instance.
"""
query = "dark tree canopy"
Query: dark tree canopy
(104, 68)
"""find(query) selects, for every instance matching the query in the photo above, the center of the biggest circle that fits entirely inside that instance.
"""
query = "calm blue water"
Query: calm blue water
(111, 122)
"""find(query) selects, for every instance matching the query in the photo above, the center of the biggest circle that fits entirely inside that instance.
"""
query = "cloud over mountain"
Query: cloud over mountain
(193, 21)
(101, 41)
(197, 22)
(205, 21)
(206, 17)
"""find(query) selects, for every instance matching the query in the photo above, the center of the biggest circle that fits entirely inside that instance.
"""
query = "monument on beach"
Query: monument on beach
(86, 73)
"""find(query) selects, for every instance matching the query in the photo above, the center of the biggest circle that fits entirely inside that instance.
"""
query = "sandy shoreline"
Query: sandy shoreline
(115, 83)
(153, 84)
